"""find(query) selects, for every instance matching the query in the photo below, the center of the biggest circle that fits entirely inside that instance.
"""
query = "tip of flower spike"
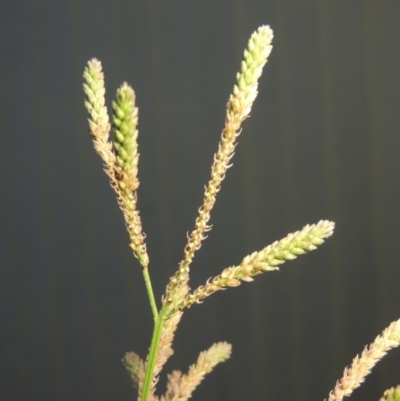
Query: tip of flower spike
(266, 30)
(94, 62)
(93, 67)
(327, 227)
(262, 36)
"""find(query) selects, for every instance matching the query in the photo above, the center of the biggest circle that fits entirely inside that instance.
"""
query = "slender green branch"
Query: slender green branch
(150, 293)
(151, 361)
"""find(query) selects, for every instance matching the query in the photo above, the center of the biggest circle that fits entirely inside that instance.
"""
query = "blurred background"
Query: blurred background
(322, 143)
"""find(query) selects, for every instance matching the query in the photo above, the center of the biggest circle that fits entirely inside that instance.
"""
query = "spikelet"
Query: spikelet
(268, 259)
(238, 109)
(361, 367)
(393, 394)
(180, 387)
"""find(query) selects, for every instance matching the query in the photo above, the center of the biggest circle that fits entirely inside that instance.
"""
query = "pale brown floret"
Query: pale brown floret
(136, 368)
(174, 380)
(354, 375)
(180, 387)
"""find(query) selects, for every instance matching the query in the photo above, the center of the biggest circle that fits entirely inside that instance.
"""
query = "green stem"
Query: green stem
(150, 293)
(155, 343)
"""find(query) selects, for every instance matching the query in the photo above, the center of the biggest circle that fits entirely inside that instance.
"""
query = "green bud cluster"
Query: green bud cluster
(254, 59)
(393, 394)
(124, 122)
(293, 245)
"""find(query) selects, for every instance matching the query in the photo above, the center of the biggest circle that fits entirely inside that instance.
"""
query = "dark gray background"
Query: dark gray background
(322, 142)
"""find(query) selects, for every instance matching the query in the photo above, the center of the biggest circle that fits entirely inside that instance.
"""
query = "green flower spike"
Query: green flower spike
(125, 118)
(393, 394)
(288, 248)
